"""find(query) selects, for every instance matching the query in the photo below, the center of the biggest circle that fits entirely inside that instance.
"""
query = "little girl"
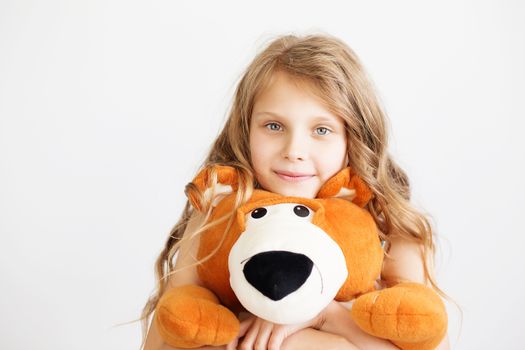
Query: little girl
(303, 110)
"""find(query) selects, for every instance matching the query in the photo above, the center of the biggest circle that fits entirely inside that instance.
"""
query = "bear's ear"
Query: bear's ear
(211, 185)
(346, 184)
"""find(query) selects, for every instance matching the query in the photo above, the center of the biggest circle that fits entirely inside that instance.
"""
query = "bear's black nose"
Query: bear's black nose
(277, 273)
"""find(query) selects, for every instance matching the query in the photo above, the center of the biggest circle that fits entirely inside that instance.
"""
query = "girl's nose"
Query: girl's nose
(295, 148)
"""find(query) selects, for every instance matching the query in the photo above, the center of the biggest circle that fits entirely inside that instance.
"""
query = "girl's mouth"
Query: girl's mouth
(291, 177)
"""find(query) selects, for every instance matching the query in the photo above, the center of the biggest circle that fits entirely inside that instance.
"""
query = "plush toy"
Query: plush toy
(285, 258)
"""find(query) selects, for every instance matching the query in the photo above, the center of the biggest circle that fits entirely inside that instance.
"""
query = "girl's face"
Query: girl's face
(296, 144)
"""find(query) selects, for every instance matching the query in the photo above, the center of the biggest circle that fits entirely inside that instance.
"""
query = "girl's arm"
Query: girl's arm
(405, 263)
(312, 339)
(186, 254)
(338, 320)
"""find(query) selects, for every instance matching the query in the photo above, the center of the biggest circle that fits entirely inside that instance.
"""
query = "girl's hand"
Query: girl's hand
(262, 335)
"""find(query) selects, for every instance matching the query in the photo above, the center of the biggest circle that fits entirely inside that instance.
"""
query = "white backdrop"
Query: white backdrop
(108, 107)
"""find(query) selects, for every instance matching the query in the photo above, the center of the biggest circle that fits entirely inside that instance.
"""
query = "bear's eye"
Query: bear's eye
(259, 213)
(301, 210)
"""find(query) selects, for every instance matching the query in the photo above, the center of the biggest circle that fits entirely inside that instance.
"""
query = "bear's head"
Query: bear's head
(285, 258)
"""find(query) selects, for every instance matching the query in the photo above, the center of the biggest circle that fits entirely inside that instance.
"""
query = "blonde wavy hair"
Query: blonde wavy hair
(338, 78)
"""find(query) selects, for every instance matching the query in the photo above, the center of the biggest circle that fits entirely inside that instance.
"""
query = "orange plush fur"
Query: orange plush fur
(410, 315)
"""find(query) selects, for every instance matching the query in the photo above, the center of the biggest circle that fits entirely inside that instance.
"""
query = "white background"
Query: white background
(108, 107)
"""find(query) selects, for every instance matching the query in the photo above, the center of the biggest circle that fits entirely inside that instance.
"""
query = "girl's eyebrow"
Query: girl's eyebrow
(319, 118)
(270, 113)
(259, 115)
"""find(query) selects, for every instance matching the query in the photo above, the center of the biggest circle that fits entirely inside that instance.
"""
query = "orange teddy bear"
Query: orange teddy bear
(285, 258)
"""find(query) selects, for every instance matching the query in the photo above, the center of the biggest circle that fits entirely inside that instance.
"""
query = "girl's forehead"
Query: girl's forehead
(280, 78)
(284, 88)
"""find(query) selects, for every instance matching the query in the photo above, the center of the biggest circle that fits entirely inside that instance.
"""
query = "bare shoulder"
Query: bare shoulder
(404, 261)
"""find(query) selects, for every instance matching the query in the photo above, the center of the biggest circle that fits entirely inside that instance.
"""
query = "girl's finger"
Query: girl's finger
(245, 325)
(265, 331)
(277, 338)
(250, 336)
(233, 344)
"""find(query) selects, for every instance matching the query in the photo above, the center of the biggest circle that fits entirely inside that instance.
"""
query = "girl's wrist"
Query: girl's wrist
(326, 318)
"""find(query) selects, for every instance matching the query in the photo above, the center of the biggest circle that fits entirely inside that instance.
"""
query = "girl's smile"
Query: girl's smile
(293, 177)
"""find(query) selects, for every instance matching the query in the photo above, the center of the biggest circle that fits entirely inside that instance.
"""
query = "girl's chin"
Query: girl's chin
(275, 184)
(295, 191)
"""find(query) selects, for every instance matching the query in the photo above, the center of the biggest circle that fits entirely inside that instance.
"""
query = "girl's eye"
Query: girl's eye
(273, 126)
(322, 131)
